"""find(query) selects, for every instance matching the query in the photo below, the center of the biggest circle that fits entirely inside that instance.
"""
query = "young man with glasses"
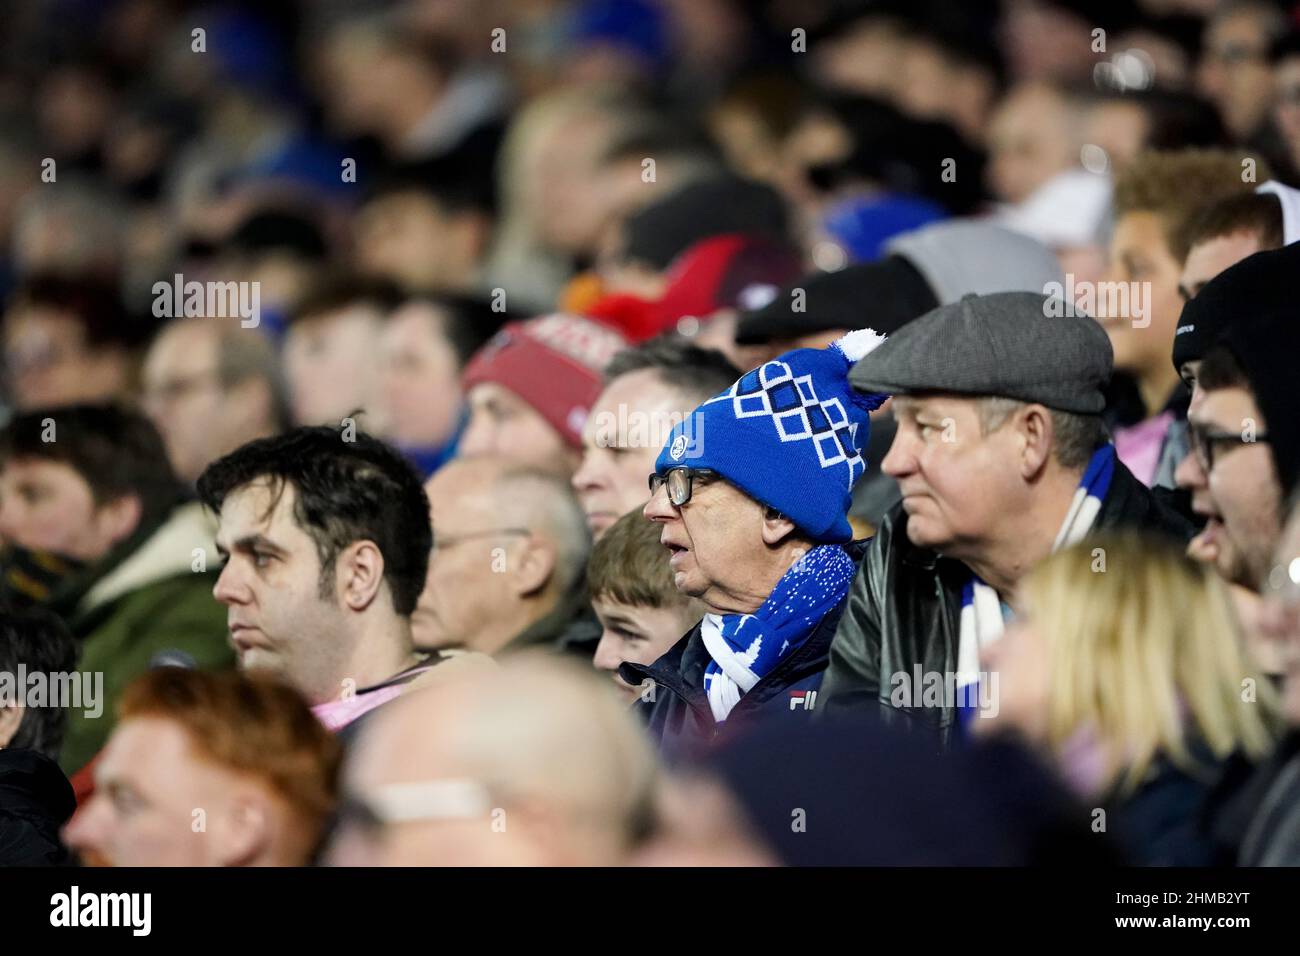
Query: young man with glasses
(1238, 339)
(1244, 446)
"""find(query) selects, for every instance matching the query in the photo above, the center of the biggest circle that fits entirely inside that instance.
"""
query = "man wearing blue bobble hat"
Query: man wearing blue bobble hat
(752, 494)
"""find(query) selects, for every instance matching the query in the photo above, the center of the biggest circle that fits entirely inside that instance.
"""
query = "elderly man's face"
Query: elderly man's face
(468, 585)
(715, 541)
(956, 482)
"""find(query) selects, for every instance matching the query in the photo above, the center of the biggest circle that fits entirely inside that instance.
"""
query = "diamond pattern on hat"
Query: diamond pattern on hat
(797, 414)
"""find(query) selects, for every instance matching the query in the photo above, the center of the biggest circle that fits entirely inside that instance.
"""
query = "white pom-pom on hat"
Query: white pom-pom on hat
(853, 346)
(858, 343)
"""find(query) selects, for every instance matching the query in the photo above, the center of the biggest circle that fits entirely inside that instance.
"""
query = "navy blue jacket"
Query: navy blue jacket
(674, 704)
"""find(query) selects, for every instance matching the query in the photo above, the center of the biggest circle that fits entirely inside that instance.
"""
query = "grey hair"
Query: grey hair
(243, 354)
(545, 503)
(1076, 436)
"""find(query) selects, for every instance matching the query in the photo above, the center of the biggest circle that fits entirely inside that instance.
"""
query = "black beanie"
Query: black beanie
(1266, 348)
(714, 207)
(1257, 286)
(884, 295)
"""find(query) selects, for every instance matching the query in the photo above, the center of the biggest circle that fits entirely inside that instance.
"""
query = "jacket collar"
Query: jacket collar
(571, 611)
(167, 552)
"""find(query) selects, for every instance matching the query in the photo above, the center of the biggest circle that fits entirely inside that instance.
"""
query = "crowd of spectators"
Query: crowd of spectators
(649, 432)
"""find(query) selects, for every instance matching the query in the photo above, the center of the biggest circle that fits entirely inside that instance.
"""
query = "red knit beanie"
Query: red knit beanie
(554, 363)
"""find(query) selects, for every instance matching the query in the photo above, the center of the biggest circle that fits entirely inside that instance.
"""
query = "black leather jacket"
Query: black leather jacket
(904, 609)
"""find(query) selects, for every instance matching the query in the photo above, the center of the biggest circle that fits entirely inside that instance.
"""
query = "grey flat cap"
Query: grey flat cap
(1021, 345)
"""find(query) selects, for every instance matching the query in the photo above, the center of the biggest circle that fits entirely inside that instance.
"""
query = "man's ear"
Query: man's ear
(360, 573)
(242, 830)
(11, 718)
(534, 565)
(1037, 434)
(776, 527)
(118, 519)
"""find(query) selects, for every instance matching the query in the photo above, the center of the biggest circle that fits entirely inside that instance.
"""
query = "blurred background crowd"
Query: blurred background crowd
(503, 249)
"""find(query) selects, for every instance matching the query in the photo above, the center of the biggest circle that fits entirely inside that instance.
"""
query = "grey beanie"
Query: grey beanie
(963, 256)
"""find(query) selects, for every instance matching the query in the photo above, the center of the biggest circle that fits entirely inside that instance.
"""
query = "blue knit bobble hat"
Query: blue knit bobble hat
(790, 434)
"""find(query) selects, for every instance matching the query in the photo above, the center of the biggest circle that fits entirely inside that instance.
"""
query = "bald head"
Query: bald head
(510, 542)
(532, 763)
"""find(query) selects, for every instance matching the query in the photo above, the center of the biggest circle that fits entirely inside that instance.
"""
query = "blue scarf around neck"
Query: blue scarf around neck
(746, 647)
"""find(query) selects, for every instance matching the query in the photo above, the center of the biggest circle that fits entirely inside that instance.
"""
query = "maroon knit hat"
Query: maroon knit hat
(554, 363)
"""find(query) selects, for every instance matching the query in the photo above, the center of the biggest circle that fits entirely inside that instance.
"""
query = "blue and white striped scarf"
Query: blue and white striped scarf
(981, 609)
(745, 647)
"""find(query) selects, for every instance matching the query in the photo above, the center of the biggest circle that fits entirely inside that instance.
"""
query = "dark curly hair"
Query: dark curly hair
(349, 488)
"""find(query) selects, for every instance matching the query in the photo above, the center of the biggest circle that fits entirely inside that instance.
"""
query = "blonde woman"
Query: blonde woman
(1126, 667)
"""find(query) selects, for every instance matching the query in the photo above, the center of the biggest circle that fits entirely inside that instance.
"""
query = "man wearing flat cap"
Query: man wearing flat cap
(1001, 458)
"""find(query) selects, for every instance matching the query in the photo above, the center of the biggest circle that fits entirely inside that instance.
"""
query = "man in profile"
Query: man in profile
(209, 769)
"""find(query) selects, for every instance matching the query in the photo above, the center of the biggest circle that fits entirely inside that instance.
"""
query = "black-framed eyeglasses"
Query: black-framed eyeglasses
(680, 482)
(1208, 444)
